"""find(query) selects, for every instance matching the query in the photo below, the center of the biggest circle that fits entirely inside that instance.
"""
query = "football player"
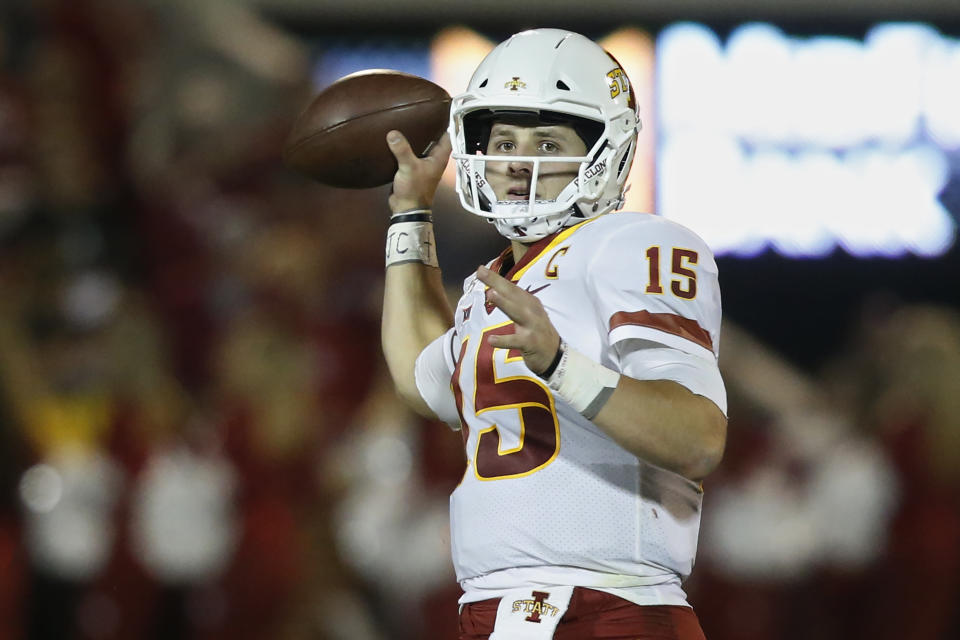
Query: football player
(580, 364)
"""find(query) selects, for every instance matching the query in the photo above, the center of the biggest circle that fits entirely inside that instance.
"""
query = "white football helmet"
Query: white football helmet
(546, 76)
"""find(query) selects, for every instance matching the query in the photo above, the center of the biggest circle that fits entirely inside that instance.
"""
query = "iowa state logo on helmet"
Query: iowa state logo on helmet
(515, 84)
(620, 83)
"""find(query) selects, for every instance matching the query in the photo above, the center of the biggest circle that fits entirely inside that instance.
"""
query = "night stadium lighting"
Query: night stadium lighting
(805, 145)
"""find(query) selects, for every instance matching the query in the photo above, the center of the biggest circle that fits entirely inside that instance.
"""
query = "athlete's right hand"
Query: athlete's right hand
(416, 180)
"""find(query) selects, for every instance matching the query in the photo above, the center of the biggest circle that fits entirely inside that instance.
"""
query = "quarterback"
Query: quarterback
(580, 365)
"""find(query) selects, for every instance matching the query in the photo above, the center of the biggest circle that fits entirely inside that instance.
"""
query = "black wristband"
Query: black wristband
(553, 365)
(418, 216)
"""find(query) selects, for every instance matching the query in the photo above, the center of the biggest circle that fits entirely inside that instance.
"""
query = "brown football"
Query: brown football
(340, 138)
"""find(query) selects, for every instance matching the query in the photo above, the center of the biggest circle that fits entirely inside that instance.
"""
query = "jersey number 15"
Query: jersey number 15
(686, 286)
(527, 397)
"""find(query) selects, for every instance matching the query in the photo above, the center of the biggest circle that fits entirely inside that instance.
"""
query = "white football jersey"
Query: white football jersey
(547, 497)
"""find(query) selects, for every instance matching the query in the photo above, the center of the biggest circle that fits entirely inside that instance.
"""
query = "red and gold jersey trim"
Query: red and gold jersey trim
(542, 247)
(666, 322)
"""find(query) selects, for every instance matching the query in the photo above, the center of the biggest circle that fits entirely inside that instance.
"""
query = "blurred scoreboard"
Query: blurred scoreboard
(802, 145)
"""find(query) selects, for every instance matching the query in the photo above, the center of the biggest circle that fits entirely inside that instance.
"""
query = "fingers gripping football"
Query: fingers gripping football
(534, 335)
(416, 180)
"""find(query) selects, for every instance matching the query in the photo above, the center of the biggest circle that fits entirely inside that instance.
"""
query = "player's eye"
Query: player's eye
(549, 147)
(505, 146)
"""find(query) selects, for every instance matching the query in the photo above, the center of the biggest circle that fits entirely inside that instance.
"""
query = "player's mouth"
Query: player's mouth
(518, 193)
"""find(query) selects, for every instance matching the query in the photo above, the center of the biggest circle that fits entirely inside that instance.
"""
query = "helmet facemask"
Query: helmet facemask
(533, 217)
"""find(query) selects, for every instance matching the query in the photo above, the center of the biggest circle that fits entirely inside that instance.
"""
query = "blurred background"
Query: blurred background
(197, 437)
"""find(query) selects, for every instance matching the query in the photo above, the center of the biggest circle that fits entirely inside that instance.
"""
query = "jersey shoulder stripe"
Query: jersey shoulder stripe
(667, 322)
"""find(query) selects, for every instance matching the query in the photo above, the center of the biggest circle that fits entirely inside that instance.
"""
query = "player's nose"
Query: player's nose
(516, 168)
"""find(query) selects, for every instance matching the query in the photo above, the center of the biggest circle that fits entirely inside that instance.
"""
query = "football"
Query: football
(340, 138)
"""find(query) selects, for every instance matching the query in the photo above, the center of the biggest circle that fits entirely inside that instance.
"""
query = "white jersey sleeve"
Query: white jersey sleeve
(432, 374)
(655, 288)
(644, 360)
(656, 280)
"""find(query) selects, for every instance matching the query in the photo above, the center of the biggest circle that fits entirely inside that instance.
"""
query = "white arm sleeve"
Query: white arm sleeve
(432, 374)
(645, 360)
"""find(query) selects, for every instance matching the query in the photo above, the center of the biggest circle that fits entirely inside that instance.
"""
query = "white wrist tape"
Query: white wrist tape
(586, 385)
(411, 242)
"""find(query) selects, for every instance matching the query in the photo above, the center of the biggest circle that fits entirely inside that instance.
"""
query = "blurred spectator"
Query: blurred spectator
(181, 335)
(56, 381)
(901, 378)
(397, 472)
(836, 512)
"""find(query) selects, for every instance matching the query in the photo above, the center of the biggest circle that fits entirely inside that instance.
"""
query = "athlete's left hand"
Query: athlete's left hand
(534, 335)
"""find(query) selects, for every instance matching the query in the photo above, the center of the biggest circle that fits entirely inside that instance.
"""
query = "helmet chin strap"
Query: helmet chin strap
(531, 229)
(515, 220)
(512, 212)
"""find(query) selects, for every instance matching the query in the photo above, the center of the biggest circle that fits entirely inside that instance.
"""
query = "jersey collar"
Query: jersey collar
(535, 251)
